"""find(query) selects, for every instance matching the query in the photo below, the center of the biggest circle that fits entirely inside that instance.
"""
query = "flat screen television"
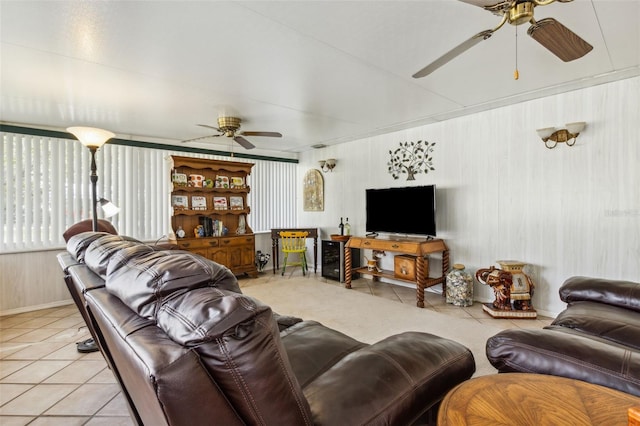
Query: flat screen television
(405, 210)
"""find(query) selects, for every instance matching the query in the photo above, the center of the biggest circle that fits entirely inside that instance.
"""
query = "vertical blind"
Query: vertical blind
(46, 188)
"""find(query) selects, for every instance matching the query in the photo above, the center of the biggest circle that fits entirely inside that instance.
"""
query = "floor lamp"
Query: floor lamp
(93, 139)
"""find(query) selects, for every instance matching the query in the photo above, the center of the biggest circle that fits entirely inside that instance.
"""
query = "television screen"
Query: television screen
(406, 210)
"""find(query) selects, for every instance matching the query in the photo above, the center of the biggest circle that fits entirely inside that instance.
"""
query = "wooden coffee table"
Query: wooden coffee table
(534, 399)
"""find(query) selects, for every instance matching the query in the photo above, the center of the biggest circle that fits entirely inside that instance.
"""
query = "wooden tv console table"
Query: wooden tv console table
(418, 248)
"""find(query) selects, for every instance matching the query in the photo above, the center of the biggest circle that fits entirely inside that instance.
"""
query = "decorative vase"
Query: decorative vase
(459, 286)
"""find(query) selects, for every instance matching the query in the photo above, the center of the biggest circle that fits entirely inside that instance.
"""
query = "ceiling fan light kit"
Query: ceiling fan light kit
(229, 126)
(550, 33)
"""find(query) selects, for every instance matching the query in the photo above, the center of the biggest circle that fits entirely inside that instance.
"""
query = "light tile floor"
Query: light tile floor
(44, 380)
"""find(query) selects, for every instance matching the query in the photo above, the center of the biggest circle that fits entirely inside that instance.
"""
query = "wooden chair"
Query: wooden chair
(294, 242)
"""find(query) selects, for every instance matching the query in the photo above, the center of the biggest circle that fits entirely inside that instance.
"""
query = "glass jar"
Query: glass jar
(459, 286)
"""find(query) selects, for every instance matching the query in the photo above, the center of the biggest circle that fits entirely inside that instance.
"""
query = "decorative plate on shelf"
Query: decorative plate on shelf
(222, 181)
(220, 203)
(237, 182)
(180, 202)
(235, 203)
(198, 202)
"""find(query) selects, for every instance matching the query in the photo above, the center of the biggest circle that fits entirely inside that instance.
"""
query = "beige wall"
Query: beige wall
(34, 280)
(31, 280)
(502, 195)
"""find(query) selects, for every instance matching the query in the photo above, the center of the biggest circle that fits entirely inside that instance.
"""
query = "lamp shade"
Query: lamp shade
(576, 127)
(546, 132)
(108, 207)
(91, 136)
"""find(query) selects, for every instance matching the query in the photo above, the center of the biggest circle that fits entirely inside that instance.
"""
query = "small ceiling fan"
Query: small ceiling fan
(229, 126)
(551, 34)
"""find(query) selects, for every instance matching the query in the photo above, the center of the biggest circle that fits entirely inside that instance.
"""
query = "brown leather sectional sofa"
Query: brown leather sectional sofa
(188, 348)
(595, 339)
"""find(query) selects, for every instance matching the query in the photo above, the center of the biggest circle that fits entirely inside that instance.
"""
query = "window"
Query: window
(46, 188)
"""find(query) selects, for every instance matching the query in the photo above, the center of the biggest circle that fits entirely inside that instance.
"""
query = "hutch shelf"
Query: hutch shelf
(209, 211)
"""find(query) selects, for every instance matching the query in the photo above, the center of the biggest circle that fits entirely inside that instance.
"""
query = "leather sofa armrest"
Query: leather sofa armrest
(558, 351)
(621, 293)
(394, 381)
(285, 321)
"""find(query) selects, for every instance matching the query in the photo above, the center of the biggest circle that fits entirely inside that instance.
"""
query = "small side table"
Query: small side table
(534, 399)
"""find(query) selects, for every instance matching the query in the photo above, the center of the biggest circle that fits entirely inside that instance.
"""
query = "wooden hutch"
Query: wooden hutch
(209, 211)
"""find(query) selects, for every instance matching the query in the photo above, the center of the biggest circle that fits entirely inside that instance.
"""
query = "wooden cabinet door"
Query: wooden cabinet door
(219, 255)
(248, 255)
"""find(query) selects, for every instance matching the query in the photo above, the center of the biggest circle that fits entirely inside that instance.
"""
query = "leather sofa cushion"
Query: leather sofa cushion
(313, 349)
(78, 243)
(625, 294)
(391, 382)
(238, 341)
(167, 382)
(612, 323)
(205, 314)
(100, 252)
(144, 281)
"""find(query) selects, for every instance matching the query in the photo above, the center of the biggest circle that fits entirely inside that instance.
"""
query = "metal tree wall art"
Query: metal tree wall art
(411, 158)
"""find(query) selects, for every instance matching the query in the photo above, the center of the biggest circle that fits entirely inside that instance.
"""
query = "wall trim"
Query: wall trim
(24, 309)
(140, 144)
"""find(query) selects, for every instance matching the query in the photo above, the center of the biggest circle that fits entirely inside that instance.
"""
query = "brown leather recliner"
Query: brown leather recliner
(595, 339)
(187, 347)
(87, 225)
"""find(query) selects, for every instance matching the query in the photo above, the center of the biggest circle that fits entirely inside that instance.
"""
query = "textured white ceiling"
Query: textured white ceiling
(319, 72)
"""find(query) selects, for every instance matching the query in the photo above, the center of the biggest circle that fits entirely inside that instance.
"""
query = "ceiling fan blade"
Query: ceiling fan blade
(211, 127)
(558, 39)
(198, 138)
(267, 134)
(245, 143)
(461, 48)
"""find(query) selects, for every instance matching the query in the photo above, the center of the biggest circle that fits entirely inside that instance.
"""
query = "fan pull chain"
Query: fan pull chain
(516, 74)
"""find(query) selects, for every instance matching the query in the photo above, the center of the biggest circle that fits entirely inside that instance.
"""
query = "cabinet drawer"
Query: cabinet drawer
(387, 245)
(197, 243)
(237, 241)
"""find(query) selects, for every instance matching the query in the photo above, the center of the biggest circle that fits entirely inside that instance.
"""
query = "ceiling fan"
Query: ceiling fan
(229, 126)
(551, 34)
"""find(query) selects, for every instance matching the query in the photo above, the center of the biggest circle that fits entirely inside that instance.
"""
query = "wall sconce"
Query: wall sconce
(550, 136)
(327, 165)
(93, 139)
